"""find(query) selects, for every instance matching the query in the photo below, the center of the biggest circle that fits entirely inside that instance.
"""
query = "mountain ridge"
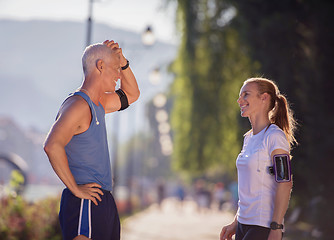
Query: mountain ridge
(40, 65)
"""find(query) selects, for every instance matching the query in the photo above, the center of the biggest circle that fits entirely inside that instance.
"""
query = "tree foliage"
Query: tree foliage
(210, 68)
(288, 41)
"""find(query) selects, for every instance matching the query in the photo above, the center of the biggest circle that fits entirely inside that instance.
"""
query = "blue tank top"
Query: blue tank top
(87, 153)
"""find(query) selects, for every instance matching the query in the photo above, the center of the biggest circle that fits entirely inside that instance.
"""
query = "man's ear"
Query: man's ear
(100, 65)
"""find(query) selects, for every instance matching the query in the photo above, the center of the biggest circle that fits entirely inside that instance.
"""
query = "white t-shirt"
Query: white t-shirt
(256, 187)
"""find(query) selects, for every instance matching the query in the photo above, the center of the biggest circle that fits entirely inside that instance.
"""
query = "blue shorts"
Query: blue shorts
(82, 217)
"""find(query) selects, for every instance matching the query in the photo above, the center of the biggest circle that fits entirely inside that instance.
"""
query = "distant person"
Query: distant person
(220, 195)
(264, 190)
(203, 196)
(180, 192)
(160, 191)
(233, 188)
(77, 144)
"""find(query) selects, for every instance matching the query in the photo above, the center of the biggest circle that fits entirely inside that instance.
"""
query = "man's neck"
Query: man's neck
(92, 92)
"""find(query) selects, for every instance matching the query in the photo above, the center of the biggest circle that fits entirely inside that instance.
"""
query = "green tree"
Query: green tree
(289, 41)
(210, 68)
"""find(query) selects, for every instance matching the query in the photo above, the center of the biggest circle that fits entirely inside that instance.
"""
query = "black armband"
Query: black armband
(281, 168)
(123, 98)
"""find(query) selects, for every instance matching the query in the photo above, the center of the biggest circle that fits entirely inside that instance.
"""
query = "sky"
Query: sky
(133, 15)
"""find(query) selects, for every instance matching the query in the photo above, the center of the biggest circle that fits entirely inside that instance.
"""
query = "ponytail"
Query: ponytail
(282, 116)
(279, 109)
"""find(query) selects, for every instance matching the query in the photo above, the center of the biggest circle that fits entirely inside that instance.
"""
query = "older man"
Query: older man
(77, 144)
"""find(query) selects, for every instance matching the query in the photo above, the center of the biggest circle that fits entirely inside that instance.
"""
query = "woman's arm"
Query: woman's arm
(282, 199)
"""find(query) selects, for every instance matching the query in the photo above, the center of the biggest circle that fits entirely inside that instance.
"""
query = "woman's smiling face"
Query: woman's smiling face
(249, 100)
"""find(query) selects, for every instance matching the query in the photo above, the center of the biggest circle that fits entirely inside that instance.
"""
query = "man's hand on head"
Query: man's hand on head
(114, 45)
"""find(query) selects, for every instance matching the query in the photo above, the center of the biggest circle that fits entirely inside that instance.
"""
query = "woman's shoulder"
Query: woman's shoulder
(276, 136)
(273, 129)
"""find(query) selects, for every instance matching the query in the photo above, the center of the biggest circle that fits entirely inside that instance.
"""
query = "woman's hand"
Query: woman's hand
(228, 231)
(275, 234)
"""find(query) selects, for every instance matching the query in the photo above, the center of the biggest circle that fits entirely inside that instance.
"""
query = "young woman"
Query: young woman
(263, 199)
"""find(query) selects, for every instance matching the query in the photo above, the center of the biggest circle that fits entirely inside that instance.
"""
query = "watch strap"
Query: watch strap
(275, 226)
(126, 65)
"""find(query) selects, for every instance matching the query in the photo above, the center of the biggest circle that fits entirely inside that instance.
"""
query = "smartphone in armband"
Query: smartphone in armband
(282, 168)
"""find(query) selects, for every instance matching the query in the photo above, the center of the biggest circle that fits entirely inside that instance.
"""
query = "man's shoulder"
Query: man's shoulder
(74, 104)
(75, 101)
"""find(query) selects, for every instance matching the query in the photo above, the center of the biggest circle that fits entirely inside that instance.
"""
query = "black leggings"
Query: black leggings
(251, 232)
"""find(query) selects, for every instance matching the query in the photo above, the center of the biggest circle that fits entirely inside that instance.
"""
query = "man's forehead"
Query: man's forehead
(112, 56)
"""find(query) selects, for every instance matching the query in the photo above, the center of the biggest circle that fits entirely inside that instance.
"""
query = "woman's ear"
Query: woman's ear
(264, 96)
(100, 65)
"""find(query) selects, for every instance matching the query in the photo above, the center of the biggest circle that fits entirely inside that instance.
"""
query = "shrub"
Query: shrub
(22, 220)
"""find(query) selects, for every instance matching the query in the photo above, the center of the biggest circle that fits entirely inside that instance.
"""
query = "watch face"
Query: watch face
(275, 225)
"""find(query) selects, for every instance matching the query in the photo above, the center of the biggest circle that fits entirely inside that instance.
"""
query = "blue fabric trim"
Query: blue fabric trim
(84, 230)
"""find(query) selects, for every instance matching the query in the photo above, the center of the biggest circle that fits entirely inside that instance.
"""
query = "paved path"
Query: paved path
(172, 222)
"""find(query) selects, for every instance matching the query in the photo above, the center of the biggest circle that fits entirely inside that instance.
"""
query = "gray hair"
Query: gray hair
(92, 54)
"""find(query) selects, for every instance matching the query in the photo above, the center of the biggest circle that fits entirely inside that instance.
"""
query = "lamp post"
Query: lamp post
(148, 40)
(89, 23)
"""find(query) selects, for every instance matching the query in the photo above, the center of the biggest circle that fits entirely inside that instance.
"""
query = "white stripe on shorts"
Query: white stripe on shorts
(90, 218)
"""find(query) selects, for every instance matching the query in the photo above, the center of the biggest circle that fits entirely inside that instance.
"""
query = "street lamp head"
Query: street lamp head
(155, 76)
(161, 116)
(148, 37)
(159, 100)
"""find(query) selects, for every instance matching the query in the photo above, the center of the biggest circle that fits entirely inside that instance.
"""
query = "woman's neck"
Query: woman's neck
(259, 123)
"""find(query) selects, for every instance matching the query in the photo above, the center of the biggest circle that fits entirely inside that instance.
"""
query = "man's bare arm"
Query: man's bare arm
(71, 120)
(128, 83)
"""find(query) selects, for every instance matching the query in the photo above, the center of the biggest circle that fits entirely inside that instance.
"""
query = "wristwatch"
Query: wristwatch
(275, 226)
(126, 65)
